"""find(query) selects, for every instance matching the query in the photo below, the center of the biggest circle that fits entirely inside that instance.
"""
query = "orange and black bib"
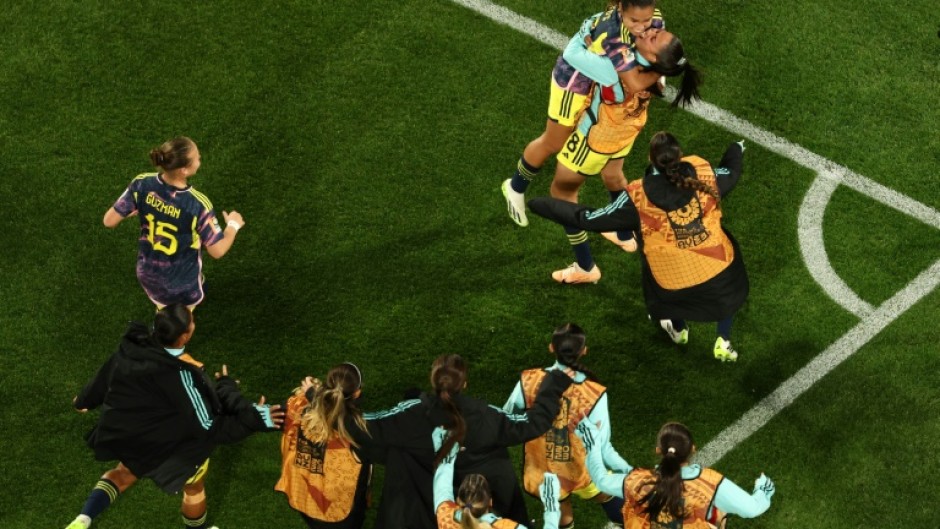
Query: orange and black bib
(698, 495)
(684, 247)
(319, 479)
(559, 450)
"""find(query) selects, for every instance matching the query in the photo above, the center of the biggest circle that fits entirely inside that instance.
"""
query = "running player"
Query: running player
(606, 132)
(559, 451)
(611, 35)
(325, 473)
(471, 509)
(161, 417)
(692, 265)
(676, 493)
(176, 221)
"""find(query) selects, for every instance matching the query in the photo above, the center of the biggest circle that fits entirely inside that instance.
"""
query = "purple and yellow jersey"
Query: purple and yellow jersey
(174, 224)
(610, 38)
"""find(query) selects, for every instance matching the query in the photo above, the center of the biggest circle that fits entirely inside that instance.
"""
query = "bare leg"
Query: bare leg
(549, 143)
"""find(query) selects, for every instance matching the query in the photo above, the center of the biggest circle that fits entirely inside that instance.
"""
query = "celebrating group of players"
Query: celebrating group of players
(162, 416)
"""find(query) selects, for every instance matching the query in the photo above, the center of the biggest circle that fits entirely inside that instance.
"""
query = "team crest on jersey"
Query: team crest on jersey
(557, 441)
(686, 223)
(309, 455)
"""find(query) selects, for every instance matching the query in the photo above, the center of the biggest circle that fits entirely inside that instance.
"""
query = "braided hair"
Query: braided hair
(473, 498)
(568, 344)
(666, 157)
(448, 378)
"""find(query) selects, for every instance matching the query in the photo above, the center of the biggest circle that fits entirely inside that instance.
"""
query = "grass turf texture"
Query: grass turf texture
(365, 143)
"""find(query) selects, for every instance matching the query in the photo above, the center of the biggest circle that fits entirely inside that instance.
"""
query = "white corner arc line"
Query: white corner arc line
(829, 176)
(813, 248)
(820, 366)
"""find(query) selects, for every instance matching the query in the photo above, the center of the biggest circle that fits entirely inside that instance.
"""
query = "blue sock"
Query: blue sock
(724, 328)
(582, 250)
(613, 508)
(622, 235)
(101, 497)
(678, 324)
(523, 176)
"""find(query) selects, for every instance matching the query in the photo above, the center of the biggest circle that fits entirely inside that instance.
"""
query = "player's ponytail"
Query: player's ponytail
(675, 445)
(666, 157)
(671, 62)
(332, 403)
(173, 154)
(448, 378)
(568, 343)
(473, 498)
(170, 323)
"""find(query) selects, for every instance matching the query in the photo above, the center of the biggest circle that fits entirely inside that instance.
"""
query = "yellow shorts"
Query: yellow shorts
(564, 106)
(578, 156)
(200, 473)
(587, 492)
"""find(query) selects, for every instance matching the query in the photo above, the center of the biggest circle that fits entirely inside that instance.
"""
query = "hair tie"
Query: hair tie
(671, 450)
(681, 62)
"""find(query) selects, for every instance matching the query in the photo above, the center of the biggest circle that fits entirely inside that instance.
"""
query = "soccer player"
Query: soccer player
(161, 417)
(559, 451)
(471, 510)
(484, 432)
(606, 133)
(676, 493)
(612, 36)
(692, 265)
(176, 221)
(325, 472)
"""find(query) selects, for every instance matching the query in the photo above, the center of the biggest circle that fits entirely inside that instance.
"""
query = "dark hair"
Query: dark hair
(170, 323)
(675, 443)
(326, 414)
(568, 343)
(473, 498)
(624, 4)
(666, 157)
(671, 61)
(173, 154)
(448, 377)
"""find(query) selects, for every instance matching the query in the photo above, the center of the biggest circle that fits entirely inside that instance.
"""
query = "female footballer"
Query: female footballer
(471, 508)
(176, 222)
(483, 431)
(606, 133)
(692, 265)
(325, 473)
(675, 493)
(161, 417)
(559, 451)
(612, 35)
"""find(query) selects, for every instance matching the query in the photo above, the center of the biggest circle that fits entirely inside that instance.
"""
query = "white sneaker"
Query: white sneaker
(515, 202)
(679, 337)
(627, 246)
(575, 274)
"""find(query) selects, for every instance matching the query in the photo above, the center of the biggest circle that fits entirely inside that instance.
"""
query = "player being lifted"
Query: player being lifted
(612, 36)
(176, 221)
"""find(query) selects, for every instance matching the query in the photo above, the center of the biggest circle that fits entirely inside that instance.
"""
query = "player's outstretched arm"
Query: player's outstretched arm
(233, 223)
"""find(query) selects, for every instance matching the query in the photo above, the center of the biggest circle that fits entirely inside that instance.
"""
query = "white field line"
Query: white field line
(810, 233)
(834, 355)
